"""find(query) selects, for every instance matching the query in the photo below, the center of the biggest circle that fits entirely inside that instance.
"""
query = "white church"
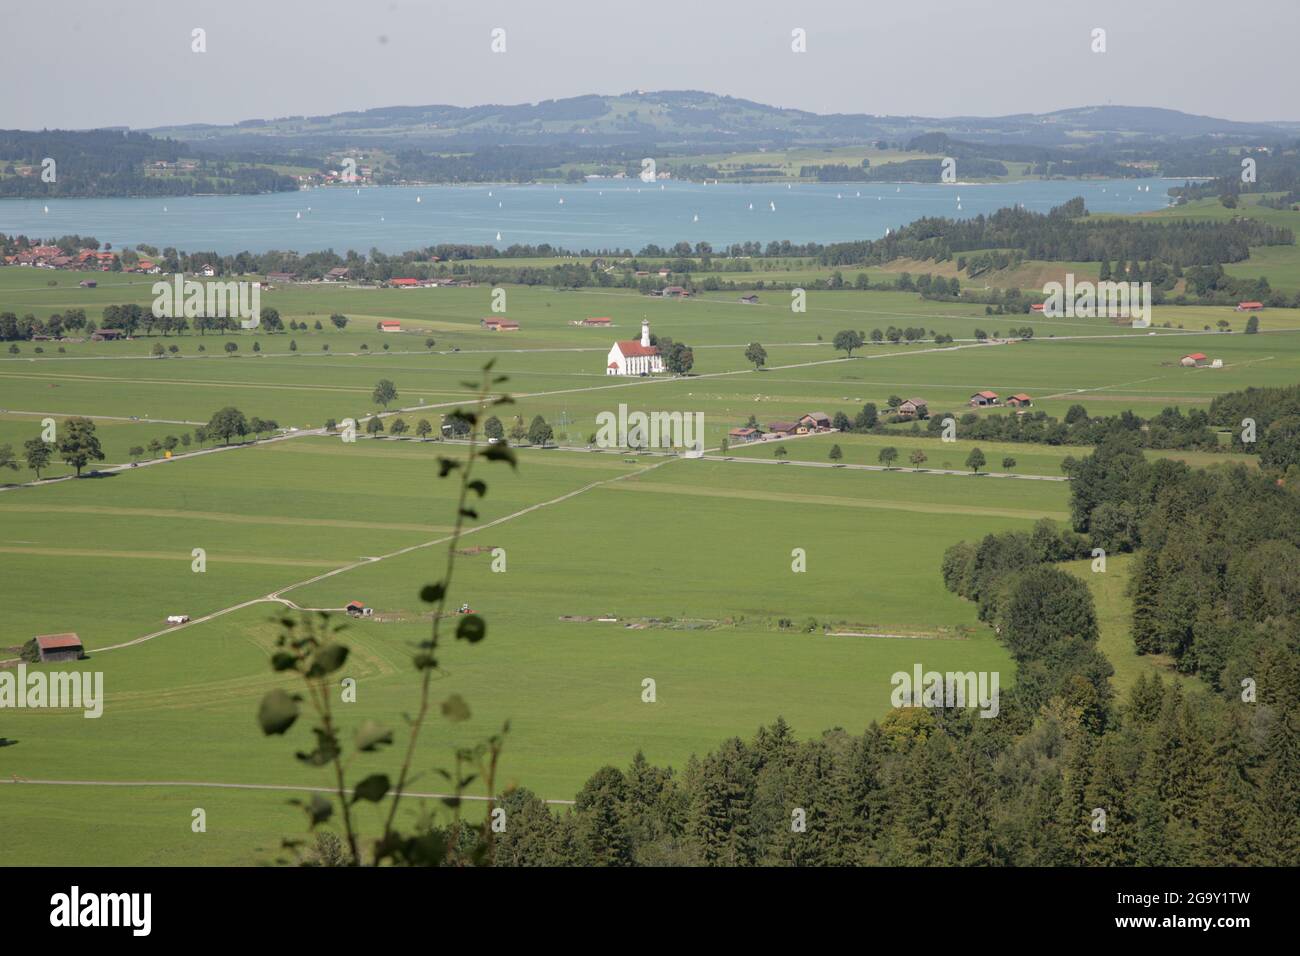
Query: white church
(635, 358)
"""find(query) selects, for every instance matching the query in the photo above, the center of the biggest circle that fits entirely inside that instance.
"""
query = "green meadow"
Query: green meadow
(693, 559)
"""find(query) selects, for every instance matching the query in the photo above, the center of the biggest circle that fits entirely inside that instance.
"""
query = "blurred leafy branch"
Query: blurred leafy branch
(309, 646)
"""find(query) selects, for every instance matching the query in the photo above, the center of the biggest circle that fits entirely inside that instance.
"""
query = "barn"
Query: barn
(59, 647)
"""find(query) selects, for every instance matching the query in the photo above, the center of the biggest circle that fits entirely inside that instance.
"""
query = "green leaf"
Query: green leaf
(373, 788)
(478, 486)
(469, 513)
(500, 452)
(471, 628)
(370, 736)
(319, 809)
(432, 593)
(327, 660)
(283, 661)
(446, 466)
(455, 709)
(278, 711)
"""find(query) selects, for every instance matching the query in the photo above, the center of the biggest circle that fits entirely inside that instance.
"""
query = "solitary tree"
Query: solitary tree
(917, 458)
(80, 446)
(398, 428)
(340, 321)
(384, 393)
(227, 424)
(7, 459)
(1008, 463)
(847, 340)
(1252, 325)
(135, 451)
(232, 347)
(780, 451)
(423, 429)
(494, 429)
(38, 455)
(835, 453)
(975, 460)
(756, 354)
(375, 426)
(679, 359)
(888, 455)
(539, 433)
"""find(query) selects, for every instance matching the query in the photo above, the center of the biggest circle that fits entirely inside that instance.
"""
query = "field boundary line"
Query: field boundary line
(21, 781)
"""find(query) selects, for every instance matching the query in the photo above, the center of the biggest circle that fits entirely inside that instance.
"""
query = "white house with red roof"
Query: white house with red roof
(635, 358)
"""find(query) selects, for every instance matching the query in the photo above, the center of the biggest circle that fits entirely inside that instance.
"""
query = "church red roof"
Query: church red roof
(632, 347)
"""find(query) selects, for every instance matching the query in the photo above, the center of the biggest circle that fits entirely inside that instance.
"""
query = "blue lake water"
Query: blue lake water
(607, 214)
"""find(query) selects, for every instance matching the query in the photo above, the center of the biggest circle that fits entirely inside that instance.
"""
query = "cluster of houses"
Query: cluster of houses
(809, 424)
(987, 399)
(344, 274)
(499, 325)
(52, 257)
(1199, 360)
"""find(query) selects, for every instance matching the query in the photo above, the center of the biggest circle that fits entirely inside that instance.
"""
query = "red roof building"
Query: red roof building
(59, 647)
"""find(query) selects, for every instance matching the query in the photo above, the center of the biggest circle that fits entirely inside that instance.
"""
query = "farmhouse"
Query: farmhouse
(599, 322)
(404, 283)
(390, 325)
(675, 292)
(1195, 360)
(87, 283)
(816, 421)
(208, 271)
(106, 335)
(1250, 306)
(743, 435)
(914, 408)
(980, 399)
(338, 274)
(358, 609)
(781, 429)
(635, 358)
(506, 325)
(281, 276)
(1019, 400)
(59, 647)
(749, 299)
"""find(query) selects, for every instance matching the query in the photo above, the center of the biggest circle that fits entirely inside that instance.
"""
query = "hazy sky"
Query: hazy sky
(85, 63)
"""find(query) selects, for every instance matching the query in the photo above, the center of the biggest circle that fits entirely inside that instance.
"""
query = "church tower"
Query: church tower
(645, 332)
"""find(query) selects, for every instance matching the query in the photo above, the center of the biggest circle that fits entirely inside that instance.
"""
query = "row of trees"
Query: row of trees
(78, 446)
